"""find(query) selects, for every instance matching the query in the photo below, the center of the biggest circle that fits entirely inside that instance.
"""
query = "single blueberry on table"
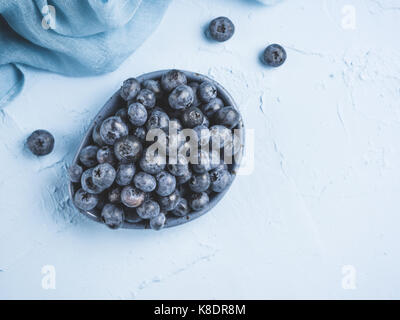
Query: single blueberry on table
(96, 135)
(199, 201)
(131, 215)
(130, 88)
(219, 135)
(125, 174)
(170, 202)
(199, 182)
(132, 197)
(128, 149)
(40, 142)
(172, 79)
(75, 172)
(195, 88)
(88, 156)
(88, 184)
(144, 181)
(148, 209)
(210, 108)
(220, 179)
(158, 119)
(85, 200)
(152, 163)
(114, 195)
(182, 208)
(192, 117)
(166, 183)
(207, 91)
(103, 175)
(123, 114)
(181, 97)
(137, 114)
(105, 154)
(140, 133)
(112, 129)
(153, 85)
(227, 116)
(112, 215)
(221, 29)
(157, 223)
(274, 55)
(147, 98)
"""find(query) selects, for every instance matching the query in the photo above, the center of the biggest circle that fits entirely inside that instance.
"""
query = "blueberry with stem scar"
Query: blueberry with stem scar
(40, 142)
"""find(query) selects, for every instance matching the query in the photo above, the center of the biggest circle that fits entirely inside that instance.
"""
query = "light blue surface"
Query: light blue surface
(78, 38)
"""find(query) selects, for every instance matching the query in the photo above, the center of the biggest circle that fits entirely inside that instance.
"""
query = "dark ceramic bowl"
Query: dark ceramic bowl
(114, 104)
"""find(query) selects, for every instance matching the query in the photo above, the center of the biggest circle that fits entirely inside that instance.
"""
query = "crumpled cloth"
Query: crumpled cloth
(74, 37)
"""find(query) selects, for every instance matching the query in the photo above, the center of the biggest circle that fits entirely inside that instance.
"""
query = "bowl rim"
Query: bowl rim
(113, 104)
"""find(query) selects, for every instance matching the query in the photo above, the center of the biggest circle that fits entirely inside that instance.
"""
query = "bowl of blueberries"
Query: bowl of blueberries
(162, 151)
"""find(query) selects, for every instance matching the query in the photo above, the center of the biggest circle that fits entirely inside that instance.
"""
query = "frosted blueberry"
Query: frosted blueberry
(180, 168)
(199, 201)
(221, 29)
(137, 114)
(206, 122)
(112, 129)
(172, 79)
(210, 108)
(96, 136)
(184, 178)
(227, 116)
(40, 142)
(153, 85)
(195, 87)
(181, 209)
(88, 156)
(192, 117)
(112, 215)
(103, 175)
(145, 182)
(181, 97)
(125, 174)
(166, 183)
(123, 114)
(149, 209)
(220, 179)
(140, 133)
(132, 197)
(158, 119)
(130, 88)
(206, 161)
(105, 154)
(157, 223)
(175, 125)
(114, 195)
(203, 134)
(147, 98)
(219, 135)
(199, 182)
(84, 200)
(152, 163)
(128, 149)
(75, 172)
(207, 91)
(88, 184)
(274, 55)
(170, 202)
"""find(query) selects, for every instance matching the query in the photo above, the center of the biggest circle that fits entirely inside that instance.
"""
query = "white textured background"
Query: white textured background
(324, 192)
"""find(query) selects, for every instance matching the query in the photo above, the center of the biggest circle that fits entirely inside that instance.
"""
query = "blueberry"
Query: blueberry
(158, 119)
(132, 216)
(219, 135)
(184, 178)
(149, 209)
(140, 133)
(221, 29)
(199, 182)
(153, 85)
(112, 129)
(137, 114)
(166, 183)
(128, 149)
(40, 142)
(175, 125)
(157, 223)
(145, 182)
(195, 88)
(227, 116)
(130, 88)
(125, 174)
(88, 184)
(123, 114)
(147, 98)
(75, 172)
(198, 201)
(181, 98)
(180, 168)
(182, 208)
(170, 202)
(206, 161)
(152, 163)
(206, 122)
(274, 55)
(96, 135)
(174, 143)
(88, 156)
(203, 134)
(105, 155)
(114, 195)
(192, 117)
(103, 175)
(210, 108)
(172, 79)
(113, 216)
(84, 200)
(207, 91)
(132, 197)
(220, 179)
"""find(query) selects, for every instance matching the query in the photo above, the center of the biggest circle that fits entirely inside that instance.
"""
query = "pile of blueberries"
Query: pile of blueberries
(123, 181)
